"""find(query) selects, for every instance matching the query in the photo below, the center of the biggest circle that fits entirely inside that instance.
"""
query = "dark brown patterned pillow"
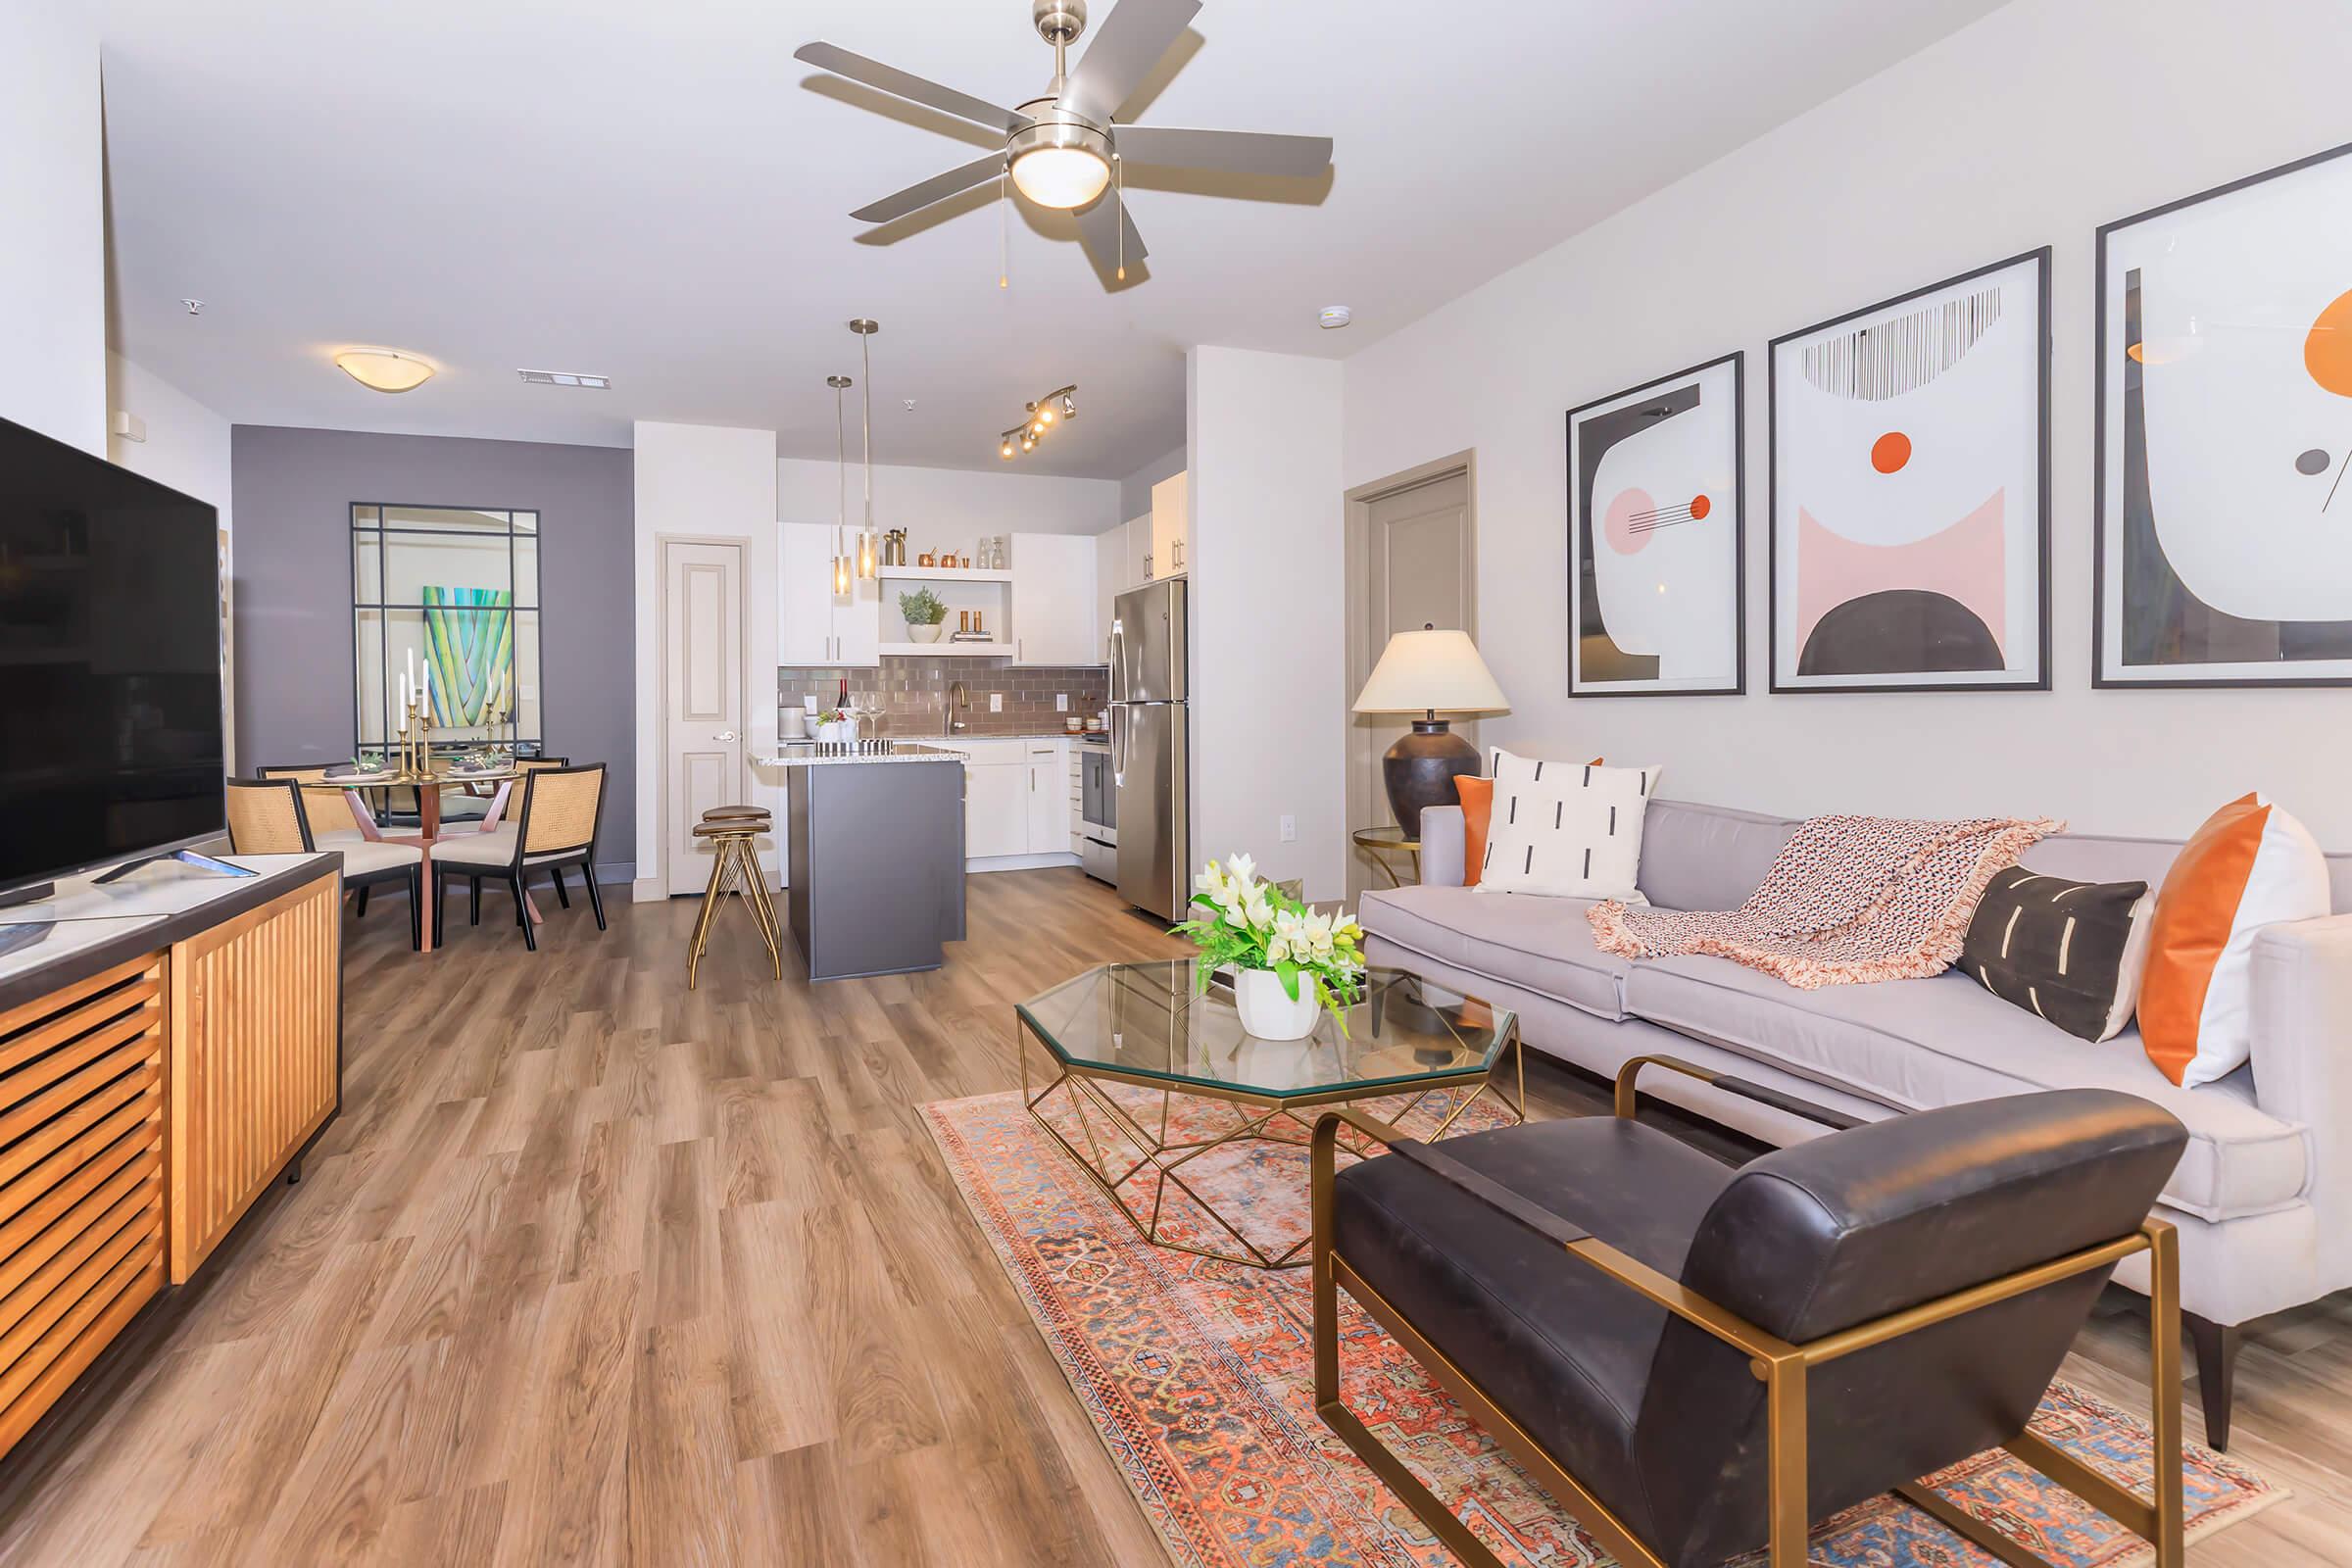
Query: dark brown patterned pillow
(2070, 951)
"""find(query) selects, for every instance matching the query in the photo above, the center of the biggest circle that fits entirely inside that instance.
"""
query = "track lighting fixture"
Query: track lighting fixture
(1056, 408)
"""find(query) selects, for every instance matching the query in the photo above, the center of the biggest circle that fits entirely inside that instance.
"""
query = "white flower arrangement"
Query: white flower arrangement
(1251, 924)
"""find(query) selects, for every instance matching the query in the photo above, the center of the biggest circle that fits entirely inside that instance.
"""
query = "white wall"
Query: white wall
(948, 508)
(1135, 491)
(704, 481)
(2031, 127)
(1268, 613)
(51, 223)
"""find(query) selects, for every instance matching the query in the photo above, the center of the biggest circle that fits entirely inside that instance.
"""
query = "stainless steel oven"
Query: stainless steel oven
(1098, 814)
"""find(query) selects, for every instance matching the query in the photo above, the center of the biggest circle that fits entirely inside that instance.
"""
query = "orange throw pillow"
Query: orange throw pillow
(2250, 865)
(1478, 805)
(1476, 795)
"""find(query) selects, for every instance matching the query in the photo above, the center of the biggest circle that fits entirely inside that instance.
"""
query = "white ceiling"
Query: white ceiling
(657, 191)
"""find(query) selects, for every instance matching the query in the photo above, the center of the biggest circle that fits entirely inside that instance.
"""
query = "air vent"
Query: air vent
(597, 383)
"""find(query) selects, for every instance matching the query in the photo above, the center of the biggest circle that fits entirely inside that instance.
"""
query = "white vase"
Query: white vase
(1267, 1010)
(927, 634)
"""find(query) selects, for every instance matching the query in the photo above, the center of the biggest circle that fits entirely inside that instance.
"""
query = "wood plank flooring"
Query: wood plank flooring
(594, 1269)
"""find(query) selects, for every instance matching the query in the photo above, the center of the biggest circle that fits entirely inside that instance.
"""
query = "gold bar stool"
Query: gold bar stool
(735, 868)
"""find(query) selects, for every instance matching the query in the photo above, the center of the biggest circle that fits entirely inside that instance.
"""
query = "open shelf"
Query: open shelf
(943, 649)
(941, 574)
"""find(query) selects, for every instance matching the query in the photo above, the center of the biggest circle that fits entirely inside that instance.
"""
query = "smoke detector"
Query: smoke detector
(1331, 318)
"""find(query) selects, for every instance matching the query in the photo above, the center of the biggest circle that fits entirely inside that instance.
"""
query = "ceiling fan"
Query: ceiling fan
(1061, 149)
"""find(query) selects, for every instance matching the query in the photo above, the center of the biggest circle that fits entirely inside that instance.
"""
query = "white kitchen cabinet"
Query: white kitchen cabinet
(1139, 553)
(812, 626)
(1053, 599)
(1110, 581)
(1046, 822)
(1171, 526)
(996, 809)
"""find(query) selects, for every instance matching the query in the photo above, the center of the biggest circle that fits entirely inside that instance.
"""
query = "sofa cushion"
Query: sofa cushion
(1706, 857)
(1538, 943)
(1916, 1044)
(1563, 1348)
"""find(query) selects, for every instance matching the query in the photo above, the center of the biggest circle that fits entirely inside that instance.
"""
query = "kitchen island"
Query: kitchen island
(874, 845)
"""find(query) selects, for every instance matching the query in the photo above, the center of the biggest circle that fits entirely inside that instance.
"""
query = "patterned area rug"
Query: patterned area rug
(1199, 1375)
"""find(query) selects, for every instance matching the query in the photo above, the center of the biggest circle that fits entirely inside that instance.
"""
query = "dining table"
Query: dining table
(431, 828)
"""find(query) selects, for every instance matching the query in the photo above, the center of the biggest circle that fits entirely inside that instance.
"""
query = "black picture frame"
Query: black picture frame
(2040, 258)
(1737, 360)
(2100, 677)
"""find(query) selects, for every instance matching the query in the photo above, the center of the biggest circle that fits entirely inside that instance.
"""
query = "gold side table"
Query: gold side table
(734, 868)
(1379, 843)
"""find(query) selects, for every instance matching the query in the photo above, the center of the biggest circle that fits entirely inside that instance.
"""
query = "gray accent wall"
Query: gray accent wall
(292, 491)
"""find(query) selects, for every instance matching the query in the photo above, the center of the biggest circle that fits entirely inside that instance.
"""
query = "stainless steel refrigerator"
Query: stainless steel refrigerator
(1150, 748)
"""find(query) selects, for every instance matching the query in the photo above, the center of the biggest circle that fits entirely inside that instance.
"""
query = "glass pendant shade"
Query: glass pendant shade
(1060, 176)
(841, 577)
(867, 562)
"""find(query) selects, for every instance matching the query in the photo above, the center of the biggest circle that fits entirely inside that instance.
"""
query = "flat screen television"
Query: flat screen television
(110, 663)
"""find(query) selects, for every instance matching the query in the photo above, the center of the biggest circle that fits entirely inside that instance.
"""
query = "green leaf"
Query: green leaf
(1290, 977)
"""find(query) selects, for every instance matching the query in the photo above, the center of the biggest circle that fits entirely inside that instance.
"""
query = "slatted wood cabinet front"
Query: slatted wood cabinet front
(142, 1110)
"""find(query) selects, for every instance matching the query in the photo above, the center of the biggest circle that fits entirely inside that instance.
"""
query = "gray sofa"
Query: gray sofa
(2263, 1196)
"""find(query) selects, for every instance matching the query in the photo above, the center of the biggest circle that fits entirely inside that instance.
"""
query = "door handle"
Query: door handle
(724, 735)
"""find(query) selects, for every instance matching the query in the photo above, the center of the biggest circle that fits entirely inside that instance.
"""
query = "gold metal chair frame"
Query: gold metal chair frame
(1780, 1365)
(1258, 1117)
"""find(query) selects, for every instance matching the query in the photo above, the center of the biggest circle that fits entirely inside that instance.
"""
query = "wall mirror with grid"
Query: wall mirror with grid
(457, 588)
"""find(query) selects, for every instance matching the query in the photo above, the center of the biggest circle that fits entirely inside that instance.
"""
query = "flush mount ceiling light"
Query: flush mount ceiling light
(595, 383)
(384, 369)
(1064, 150)
(1057, 406)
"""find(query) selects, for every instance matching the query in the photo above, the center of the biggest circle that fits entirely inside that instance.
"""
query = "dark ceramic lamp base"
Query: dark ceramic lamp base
(1420, 771)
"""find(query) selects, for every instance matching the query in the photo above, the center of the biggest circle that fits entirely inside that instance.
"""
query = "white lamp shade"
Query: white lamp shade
(1422, 671)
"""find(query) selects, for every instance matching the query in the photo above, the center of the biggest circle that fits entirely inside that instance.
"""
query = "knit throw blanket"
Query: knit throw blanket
(1849, 901)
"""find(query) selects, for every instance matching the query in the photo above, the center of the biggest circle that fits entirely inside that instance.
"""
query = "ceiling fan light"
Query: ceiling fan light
(384, 369)
(1060, 176)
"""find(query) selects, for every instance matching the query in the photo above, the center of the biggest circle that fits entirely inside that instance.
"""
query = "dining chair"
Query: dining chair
(272, 816)
(556, 826)
(466, 806)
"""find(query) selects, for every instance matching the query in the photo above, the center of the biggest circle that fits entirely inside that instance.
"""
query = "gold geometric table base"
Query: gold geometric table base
(1120, 1148)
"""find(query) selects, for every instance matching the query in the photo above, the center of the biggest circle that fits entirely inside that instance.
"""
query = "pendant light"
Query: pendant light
(841, 469)
(868, 542)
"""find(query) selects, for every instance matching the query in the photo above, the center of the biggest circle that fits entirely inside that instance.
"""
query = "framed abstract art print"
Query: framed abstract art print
(1656, 538)
(1910, 490)
(2223, 555)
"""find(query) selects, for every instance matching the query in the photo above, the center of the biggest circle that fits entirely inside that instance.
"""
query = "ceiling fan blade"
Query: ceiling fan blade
(938, 188)
(1126, 46)
(906, 84)
(1099, 230)
(1234, 152)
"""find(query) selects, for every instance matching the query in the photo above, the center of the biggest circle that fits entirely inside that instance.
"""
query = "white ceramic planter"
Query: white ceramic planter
(1267, 1010)
(838, 733)
(926, 634)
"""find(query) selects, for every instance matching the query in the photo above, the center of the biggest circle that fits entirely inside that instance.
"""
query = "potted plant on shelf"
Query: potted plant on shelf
(1289, 962)
(926, 616)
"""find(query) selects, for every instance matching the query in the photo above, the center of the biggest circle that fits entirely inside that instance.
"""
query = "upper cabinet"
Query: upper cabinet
(1053, 599)
(812, 626)
(1171, 526)
(1110, 581)
(1139, 553)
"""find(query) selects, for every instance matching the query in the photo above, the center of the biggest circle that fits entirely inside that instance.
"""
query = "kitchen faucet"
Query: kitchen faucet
(956, 698)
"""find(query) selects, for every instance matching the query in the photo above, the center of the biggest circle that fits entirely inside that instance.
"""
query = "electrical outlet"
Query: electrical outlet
(1061, 702)
(996, 702)
(1290, 830)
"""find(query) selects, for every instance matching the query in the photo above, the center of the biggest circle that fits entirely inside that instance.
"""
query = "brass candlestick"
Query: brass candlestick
(416, 744)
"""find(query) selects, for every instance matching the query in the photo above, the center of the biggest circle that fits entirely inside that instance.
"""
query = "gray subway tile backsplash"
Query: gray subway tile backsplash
(915, 693)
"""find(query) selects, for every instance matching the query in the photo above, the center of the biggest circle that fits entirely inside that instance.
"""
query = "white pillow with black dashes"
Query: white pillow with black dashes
(1568, 830)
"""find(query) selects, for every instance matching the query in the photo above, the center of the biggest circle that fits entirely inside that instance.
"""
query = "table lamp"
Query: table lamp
(1421, 672)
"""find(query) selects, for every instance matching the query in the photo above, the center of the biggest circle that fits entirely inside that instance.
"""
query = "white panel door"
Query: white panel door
(1053, 599)
(804, 595)
(702, 599)
(995, 810)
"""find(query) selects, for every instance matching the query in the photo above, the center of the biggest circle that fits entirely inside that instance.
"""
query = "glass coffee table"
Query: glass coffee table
(1198, 1130)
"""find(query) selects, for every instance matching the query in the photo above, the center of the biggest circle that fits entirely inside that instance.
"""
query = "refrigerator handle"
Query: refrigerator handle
(1118, 759)
(1118, 664)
